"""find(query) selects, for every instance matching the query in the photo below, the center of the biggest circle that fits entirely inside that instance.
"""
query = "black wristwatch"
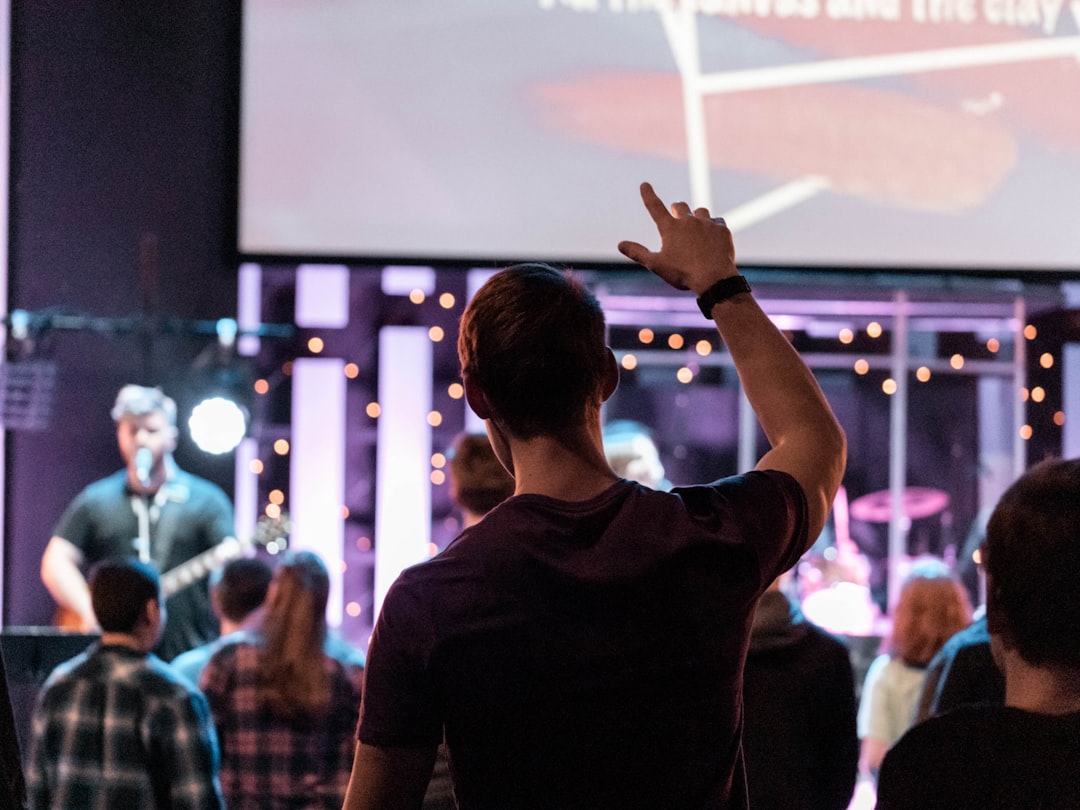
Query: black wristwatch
(721, 291)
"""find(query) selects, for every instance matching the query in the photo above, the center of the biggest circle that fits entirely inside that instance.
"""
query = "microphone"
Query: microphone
(143, 460)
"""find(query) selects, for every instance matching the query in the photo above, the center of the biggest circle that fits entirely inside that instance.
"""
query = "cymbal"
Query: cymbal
(916, 502)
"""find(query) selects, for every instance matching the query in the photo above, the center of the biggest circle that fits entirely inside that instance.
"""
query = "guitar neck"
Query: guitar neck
(190, 572)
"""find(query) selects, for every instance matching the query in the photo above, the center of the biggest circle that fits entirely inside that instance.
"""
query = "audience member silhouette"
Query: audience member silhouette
(802, 752)
(237, 591)
(116, 726)
(931, 608)
(1024, 754)
(963, 672)
(284, 706)
(478, 483)
(583, 645)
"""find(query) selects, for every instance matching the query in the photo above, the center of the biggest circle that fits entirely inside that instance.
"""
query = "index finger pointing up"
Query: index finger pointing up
(653, 204)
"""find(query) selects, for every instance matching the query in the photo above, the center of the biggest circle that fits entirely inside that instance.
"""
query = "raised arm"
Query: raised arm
(806, 440)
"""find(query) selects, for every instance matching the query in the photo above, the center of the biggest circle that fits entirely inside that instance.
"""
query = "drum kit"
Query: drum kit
(834, 586)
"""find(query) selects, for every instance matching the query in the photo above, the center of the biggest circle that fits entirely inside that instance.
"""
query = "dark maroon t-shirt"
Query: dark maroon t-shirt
(586, 654)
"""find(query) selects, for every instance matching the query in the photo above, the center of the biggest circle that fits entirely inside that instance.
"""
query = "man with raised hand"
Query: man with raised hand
(583, 645)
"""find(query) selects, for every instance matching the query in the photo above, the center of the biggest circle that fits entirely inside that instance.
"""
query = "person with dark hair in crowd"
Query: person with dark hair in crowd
(1023, 754)
(582, 646)
(478, 483)
(116, 727)
(284, 706)
(931, 608)
(152, 510)
(963, 672)
(799, 738)
(237, 592)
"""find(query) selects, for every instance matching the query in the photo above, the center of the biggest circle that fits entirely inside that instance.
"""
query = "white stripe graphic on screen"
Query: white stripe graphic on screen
(773, 202)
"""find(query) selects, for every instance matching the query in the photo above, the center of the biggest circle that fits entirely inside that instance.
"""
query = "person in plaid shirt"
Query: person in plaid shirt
(285, 699)
(116, 727)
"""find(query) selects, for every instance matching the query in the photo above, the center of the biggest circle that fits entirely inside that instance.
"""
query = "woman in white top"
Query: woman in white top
(933, 605)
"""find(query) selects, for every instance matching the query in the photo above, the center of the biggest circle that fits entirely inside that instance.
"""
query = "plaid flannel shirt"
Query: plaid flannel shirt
(273, 762)
(116, 728)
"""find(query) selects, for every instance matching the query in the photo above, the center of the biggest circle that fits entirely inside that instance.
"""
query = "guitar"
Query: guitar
(271, 533)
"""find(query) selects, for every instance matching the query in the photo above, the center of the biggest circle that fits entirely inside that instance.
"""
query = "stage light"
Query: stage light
(217, 425)
(221, 385)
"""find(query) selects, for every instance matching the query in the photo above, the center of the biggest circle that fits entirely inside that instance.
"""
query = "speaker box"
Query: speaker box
(30, 654)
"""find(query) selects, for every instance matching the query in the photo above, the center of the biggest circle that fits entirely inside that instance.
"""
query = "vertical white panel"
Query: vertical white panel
(248, 307)
(899, 523)
(403, 454)
(474, 281)
(245, 489)
(317, 467)
(322, 296)
(1070, 400)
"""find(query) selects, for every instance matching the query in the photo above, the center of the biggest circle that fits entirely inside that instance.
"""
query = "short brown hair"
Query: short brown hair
(119, 590)
(533, 339)
(1032, 559)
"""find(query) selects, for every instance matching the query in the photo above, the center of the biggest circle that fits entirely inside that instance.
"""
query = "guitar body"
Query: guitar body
(271, 533)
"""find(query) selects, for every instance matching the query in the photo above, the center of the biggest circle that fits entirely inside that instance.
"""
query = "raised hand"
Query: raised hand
(696, 250)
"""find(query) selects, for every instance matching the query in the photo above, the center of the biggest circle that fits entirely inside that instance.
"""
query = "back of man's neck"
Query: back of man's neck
(545, 466)
(128, 640)
(1040, 689)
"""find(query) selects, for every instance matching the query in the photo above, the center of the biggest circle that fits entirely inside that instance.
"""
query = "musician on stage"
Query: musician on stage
(152, 510)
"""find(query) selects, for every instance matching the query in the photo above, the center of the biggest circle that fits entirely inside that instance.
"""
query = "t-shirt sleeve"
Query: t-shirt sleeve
(398, 707)
(763, 509)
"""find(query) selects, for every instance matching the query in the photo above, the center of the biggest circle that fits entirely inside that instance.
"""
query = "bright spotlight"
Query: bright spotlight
(217, 425)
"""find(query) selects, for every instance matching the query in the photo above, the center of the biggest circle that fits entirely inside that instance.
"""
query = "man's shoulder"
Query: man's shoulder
(110, 487)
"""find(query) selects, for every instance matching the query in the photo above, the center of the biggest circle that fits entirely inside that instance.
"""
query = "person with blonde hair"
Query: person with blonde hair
(932, 607)
(285, 698)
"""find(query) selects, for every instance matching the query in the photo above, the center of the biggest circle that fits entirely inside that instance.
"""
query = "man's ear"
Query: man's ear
(611, 376)
(477, 399)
